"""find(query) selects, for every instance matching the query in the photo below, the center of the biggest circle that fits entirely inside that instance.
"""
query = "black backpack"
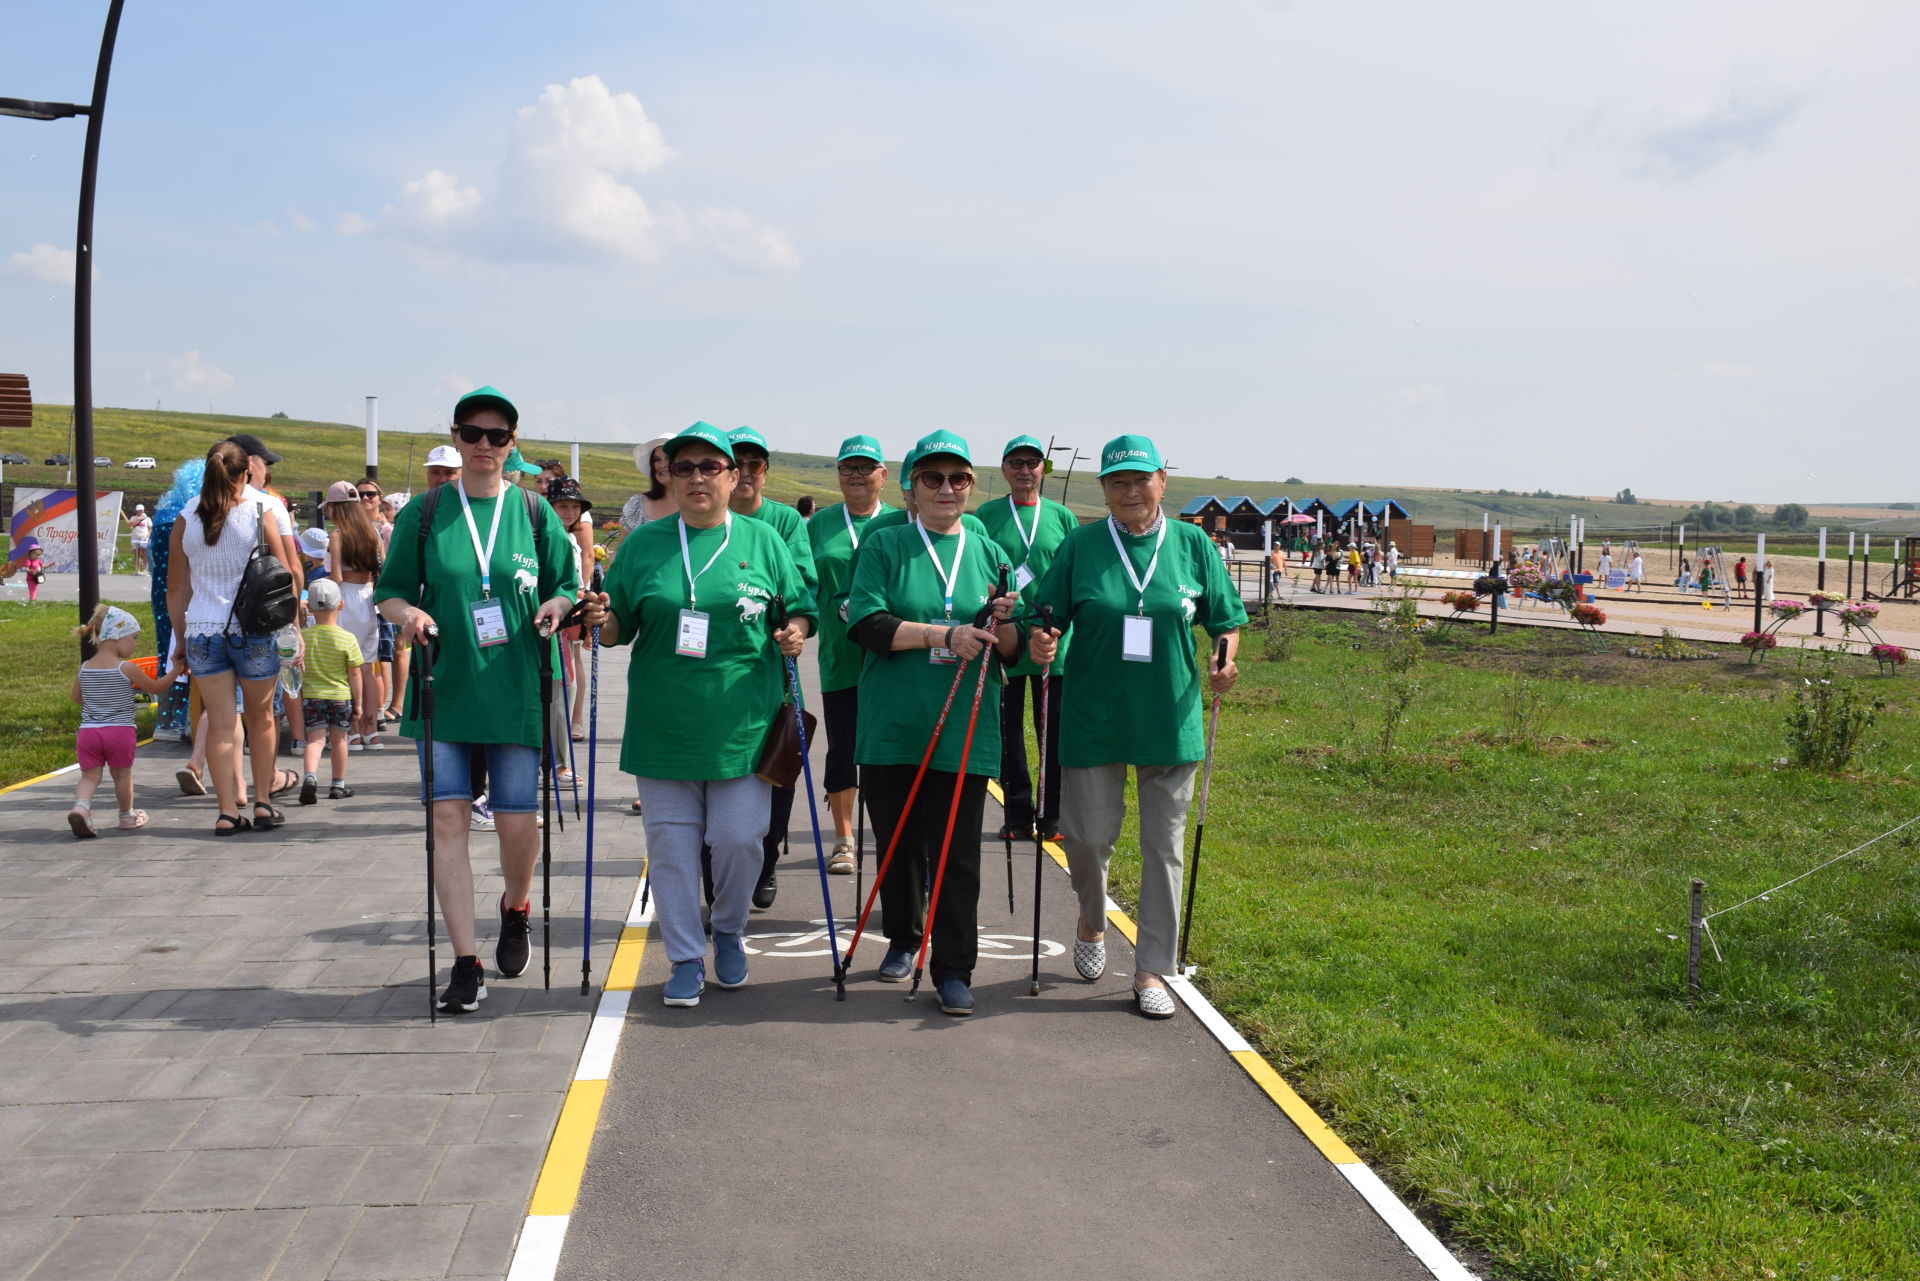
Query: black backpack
(266, 599)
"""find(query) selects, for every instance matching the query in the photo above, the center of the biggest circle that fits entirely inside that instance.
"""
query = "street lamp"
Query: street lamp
(85, 512)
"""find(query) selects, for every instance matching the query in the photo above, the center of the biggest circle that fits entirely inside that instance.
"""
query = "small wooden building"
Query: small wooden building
(1207, 512)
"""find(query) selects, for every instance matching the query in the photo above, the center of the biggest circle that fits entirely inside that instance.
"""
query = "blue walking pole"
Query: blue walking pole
(777, 616)
(593, 760)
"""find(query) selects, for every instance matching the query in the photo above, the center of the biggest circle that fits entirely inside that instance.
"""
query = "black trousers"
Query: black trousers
(909, 880)
(840, 715)
(1015, 780)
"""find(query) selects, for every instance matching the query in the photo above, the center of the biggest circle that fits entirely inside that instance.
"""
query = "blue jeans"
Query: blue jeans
(251, 658)
(513, 773)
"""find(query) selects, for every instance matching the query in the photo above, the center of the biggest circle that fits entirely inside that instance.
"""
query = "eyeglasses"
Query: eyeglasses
(752, 464)
(934, 481)
(708, 467)
(858, 469)
(498, 437)
(369, 493)
(1023, 464)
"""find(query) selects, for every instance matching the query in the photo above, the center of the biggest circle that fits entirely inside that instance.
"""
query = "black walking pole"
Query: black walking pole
(424, 674)
(593, 760)
(1200, 826)
(1040, 803)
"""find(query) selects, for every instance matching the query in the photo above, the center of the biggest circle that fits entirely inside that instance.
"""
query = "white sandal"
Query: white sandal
(132, 820)
(1090, 958)
(1153, 1002)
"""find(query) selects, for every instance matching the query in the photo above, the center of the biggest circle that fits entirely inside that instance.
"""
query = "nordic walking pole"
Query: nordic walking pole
(566, 705)
(546, 804)
(1040, 805)
(593, 761)
(980, 621)
(777, 619)
(424, 674)
(859, 838)
(1200, 824)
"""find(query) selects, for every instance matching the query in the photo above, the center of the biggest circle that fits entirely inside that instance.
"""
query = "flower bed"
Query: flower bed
(1464, 602)
(1786, 610)
(1825, 600)
(1857, 614)
(1525, 578)
(1890, 657)
(1758, 643)
(1589, 615)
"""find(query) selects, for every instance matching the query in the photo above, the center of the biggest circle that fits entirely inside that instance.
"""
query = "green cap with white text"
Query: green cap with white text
(1129, 453)
(705, 433)
(861, 447)
(749, 436)
(939, 442)
(1024, 442)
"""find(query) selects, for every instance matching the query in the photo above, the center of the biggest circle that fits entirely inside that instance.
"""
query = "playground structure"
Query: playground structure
(1902, 581)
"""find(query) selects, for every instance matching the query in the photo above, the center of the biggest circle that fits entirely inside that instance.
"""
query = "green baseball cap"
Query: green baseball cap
(516, 463)
(1129, 453)
(1024, 442)
(706, 434)
(861, 447)
(939, 442)
(749, 436)
(487, 397)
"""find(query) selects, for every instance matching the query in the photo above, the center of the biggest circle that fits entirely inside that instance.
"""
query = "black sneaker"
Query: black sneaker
(467, 988)
(1011, 832)
(515, 949)
(309, 790)
(765, 892)
(338, 792)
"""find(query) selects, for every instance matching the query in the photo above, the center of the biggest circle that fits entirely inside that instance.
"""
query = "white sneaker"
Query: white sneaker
(482, 815)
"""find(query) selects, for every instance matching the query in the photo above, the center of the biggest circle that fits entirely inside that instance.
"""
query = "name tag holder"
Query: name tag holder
(1136, 639)
(489, 623)
(692, 641)
(938, 656)
(1022, 578)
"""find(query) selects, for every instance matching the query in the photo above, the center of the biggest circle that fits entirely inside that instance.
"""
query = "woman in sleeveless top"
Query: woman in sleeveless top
(354, 559)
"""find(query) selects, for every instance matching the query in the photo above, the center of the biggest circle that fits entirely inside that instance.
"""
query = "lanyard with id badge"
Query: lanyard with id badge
(944, 657)
(489, 615)
(691, 640)
(1136, 630)
(1023, 577)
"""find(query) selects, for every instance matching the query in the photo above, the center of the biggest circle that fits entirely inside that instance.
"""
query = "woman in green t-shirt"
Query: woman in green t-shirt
(1132, 587)
(916, 589)
(691, 594)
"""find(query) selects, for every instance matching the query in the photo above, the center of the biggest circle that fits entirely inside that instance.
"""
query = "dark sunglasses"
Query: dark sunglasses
(498, 437)
(1023, 464)
(961, 481)
(708, 467)
(369, 493)
(858, 469)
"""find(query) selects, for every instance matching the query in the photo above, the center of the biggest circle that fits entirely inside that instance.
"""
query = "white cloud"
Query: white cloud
(45, 263)
(1418, 394)
(1726, 369)
(566, 192)
(299, 221)
(190, 373)
(1685, 139)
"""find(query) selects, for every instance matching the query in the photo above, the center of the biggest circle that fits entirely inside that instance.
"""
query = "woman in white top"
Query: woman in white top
(140, 534)
(212, 542)
(355, 554)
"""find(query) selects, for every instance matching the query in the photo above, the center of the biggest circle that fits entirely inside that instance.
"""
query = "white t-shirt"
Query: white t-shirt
(282, 521)
(1636, 569)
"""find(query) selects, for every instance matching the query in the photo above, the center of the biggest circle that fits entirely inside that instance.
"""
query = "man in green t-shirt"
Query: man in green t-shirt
(1133, 587)
(755, 459)
(1029, 529)
(487, 582)
(835, 533)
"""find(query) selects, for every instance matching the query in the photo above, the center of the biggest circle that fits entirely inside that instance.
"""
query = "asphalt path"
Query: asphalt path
(776, 1132)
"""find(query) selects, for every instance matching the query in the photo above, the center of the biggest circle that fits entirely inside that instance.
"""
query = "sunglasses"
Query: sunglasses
(934, 481)
(369, 493)
(498, 437)
(753, 464)
(708, 467)
(858, 469)
(1023, 464)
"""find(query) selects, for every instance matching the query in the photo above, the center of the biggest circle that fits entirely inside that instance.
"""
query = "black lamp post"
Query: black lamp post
(85, 514)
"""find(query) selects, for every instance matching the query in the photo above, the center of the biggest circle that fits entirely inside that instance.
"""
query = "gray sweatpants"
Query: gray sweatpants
(731, 816)
(1093, 804)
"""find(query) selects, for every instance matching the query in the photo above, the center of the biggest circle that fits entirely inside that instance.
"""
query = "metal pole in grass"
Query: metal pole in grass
(1820, 615)
(1696, 924)
(1851, 534)
(1759, 581)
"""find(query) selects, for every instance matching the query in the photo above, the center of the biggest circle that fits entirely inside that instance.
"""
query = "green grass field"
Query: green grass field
(1468, 952)
(37, 715)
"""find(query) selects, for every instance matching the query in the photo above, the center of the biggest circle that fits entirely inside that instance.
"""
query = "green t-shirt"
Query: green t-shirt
(901, 693)
(792, 527)
(895, 517)
(1136, 713)
(332, 654)
(489, 695)
(702, 718)
(834, 533)
(1047, 523)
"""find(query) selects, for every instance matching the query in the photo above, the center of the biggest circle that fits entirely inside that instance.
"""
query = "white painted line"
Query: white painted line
(537, 1257)
(1231, 1041)
(1425, 1246)
(596, 1060)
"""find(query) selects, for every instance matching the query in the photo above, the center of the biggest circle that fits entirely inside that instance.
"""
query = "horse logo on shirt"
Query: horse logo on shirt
(526, 581)
(750, 609)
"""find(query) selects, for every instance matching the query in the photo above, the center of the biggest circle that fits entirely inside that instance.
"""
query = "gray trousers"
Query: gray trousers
(1093, 804)
(729, 815)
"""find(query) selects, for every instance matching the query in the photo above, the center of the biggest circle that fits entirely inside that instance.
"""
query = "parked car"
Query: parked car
(143, 463)
(59, 460)
(101, 460)
(14, 460)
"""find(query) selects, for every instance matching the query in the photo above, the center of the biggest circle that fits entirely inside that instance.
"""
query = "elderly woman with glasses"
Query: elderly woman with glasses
(1132, 588)
(695, 597)
(916, 591)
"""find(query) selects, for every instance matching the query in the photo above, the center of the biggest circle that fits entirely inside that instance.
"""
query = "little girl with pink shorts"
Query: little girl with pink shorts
(104, 688)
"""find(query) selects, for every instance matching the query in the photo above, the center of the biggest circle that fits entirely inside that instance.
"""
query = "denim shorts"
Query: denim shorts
(251, 658)
(388, 633)
(513, 773)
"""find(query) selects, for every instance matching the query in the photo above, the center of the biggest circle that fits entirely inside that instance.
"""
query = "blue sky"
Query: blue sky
(1479, 244)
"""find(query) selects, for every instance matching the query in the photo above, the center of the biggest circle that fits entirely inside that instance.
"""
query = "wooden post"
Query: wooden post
(1696, 923)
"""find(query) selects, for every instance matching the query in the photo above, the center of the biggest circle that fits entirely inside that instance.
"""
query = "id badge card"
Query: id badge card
(693, 634)
(1136, 639)
(1022, 578)
(944, 657)
(489, 623)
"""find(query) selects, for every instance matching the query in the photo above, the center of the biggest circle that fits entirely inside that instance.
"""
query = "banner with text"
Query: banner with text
(50, 517)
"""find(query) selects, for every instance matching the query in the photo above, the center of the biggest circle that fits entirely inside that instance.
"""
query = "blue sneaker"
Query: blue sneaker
(689, 977)
(729, 959)
(955, 998)
(895, 966)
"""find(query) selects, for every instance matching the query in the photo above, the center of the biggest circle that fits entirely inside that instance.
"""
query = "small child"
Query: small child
(104, 688)
(327, 689)
(36, 570)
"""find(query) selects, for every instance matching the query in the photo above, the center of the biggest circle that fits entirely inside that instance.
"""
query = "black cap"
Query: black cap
(567, 489)
(251, 443)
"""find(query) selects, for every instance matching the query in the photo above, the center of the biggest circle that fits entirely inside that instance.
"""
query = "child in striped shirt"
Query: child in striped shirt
(327, 688)
(107, 739)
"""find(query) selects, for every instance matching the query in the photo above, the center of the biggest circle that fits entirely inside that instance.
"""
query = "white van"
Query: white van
(143, 463)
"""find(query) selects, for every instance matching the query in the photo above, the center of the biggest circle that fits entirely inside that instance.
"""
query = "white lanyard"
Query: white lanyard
(1139, 583)
(1025, 537)
(493, 532)
(854, 534)
(947, 577)
(686, 557)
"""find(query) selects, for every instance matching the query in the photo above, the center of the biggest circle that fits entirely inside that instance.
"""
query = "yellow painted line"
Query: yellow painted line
(1318, 1132)
(624, 970)
(566, 1162)
(1124, 923)
(41, 778)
